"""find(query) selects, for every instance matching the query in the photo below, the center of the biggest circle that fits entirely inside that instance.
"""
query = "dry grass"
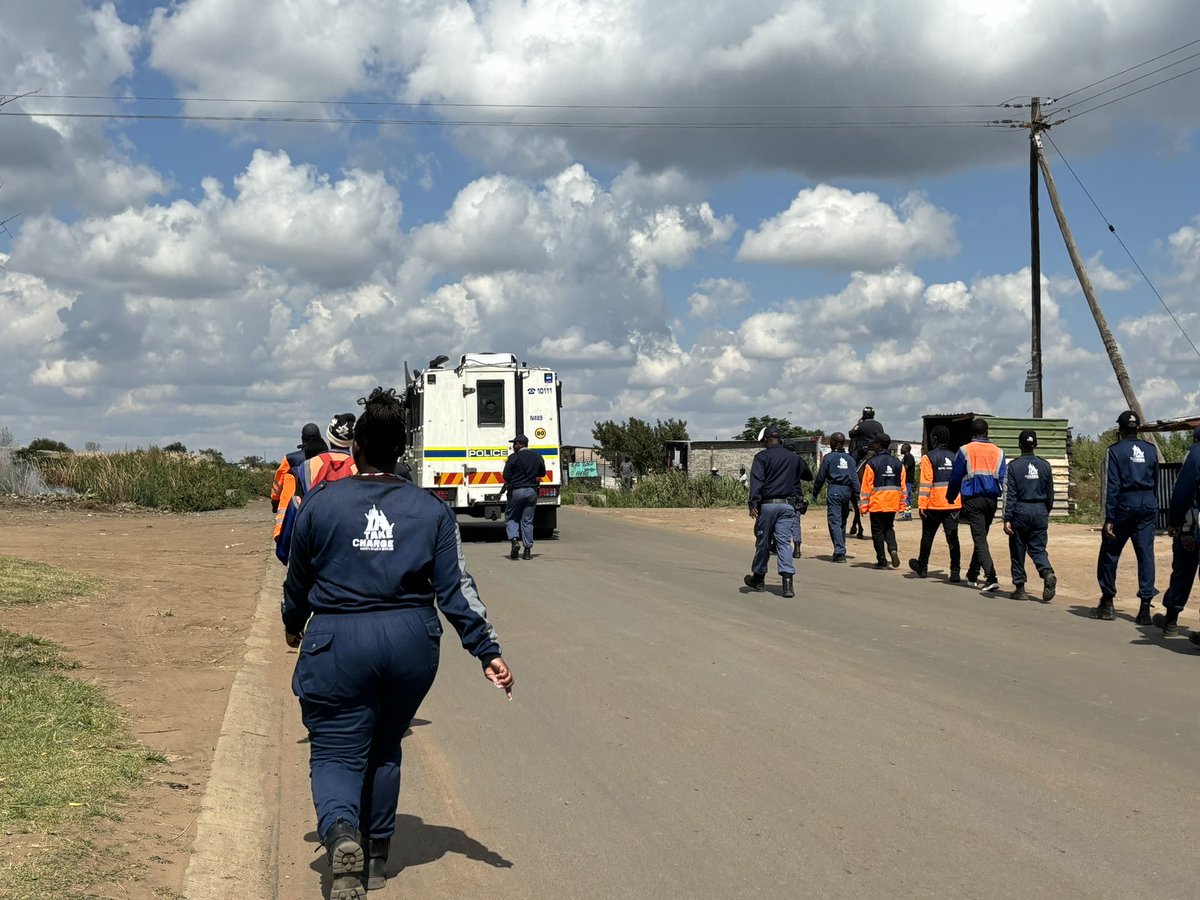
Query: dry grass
(23, 581)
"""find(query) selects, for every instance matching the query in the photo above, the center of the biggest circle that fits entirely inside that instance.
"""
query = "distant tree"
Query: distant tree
(40, 444)
(253, 462)
(91, 446)
(755, 424)
(643, 443)
(175, 447)
(215, 455)
(7, 438)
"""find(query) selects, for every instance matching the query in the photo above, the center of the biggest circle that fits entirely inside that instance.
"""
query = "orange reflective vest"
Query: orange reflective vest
(936, 466)
(331, 465)
(884, 487)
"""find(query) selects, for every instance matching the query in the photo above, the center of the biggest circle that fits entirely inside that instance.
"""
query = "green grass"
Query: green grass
(671, 490)
(157, 480)
(23, 581)
(66, 757)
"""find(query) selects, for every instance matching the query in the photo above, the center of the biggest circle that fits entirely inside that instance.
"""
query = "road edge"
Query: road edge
(236, 847)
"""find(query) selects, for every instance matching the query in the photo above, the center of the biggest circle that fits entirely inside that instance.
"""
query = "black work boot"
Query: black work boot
(346, 859)
(757, 582)
(788, 591)
(1018, 592)
(955, 578)
(1105, 610)
(516, 549)
(527, 553)
(1143, 616)
(1169, 623)
(1049, 585)
(919, 567)
(377, 854)
(795, 551)
(895, 557)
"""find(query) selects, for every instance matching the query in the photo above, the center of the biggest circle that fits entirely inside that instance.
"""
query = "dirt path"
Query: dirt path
(164, 639)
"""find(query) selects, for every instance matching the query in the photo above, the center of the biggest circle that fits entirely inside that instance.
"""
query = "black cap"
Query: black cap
(883, 438)
(1027, 439)
(1128, 420)
(307, 433)
(771, 431)
(789, 444)
(340, 432)
(520, 439)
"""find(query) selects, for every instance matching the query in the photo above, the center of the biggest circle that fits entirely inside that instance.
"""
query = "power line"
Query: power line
(486, 123)
(438, 104)
(1124, 71)
(1117, 87)
(1125, 96)
(1113, 230)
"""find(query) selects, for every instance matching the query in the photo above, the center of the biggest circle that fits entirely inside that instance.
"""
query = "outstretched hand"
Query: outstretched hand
(499, 674)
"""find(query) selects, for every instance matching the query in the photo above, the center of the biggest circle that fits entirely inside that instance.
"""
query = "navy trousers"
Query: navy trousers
(360, 679)
(837, 509)
(947, 520)
(883, 533)
(978, 513)
(1135, 521)
(1031, 527)
(778, 520)
(519, 515)
(1183, 573)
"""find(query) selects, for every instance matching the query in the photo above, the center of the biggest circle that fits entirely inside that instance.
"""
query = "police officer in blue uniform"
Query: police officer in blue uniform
(1130, 510)
(839, 469)
(1181, 525)
(773, 478)
(800, 502)
(523, 472)
(1028, 500)
(370, 556)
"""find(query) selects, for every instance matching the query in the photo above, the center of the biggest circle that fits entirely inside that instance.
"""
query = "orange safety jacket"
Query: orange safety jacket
(285, 465)
(884, 487)
(936, 466)
(331, 465)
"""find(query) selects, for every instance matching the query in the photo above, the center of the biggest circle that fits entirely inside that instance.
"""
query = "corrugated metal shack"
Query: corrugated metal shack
(1053, 438)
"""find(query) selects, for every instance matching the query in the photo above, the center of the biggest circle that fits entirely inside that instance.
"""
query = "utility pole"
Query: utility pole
(1034, 381)
(1110, 343)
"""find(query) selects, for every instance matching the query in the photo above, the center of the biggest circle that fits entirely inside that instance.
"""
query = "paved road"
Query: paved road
(878, 736)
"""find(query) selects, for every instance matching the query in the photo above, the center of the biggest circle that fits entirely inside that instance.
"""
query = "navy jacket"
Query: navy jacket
(774, 473)
(863, 435)
(524, 469)
(1183, 495)
(369, 543)
(1030, 479)
(1132, 469)
(839, 469)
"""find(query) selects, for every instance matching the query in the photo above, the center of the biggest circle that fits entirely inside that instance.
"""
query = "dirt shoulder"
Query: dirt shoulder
(1072, 548)
(164, 639)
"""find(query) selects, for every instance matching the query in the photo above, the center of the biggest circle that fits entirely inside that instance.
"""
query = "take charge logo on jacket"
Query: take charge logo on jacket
(378, 533)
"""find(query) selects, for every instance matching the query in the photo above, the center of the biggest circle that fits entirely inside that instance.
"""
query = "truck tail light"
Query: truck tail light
(446, 495)
(547, 492)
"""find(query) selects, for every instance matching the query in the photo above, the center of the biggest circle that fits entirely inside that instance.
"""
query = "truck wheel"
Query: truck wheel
(545, 521)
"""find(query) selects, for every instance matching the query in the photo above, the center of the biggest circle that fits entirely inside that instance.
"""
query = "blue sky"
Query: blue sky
(222, 283)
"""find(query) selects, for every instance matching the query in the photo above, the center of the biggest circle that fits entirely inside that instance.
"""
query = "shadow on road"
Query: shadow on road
(416, 843)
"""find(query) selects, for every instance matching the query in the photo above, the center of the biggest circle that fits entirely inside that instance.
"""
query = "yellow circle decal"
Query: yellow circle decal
(540, 433)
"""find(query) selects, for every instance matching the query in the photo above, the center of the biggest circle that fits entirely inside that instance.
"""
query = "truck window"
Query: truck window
(490, 402)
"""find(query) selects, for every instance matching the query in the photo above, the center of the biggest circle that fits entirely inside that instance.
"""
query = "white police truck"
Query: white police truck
(460, 421)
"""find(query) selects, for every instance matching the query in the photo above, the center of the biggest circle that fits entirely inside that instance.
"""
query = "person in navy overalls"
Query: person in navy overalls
(1130, 511)
(1185, 553)
(772, 490)
(371, 554)
(840, 471)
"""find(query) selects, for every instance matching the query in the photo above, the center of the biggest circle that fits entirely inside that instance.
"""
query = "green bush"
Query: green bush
(670, 490)
(159, 480)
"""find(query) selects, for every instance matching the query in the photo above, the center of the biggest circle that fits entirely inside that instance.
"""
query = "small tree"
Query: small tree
(91, 446)
(253, 462)
(643, 443)
(755, 424)
(175, 447)
(215, 455)
(48, 444)
(7, 439)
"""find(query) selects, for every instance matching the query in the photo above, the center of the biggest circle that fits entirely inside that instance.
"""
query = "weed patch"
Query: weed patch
(23, 581)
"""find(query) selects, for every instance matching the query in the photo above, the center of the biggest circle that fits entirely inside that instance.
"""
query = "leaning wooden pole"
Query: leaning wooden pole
(1110, 343)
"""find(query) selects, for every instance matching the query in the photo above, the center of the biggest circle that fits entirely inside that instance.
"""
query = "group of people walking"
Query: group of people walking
(371, 558)
(968, 484)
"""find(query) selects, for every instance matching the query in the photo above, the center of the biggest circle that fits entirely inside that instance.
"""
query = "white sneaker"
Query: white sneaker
(990, 588)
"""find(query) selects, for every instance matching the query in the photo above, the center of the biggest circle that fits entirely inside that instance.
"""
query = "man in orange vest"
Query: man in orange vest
(978, 475)
(332, 465)
(935, 510)
(882, 495)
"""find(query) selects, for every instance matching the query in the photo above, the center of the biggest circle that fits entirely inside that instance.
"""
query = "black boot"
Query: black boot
(1169, 623)
(1105, 610)
(1049, 585)
(788, 591)
(795, 551)
(516, 549)
(346, 860)
(377, 854)
(527, 553)
(919, 567)
(955, 578)
(1018, 592)
(1143, 616)
(757, 582)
